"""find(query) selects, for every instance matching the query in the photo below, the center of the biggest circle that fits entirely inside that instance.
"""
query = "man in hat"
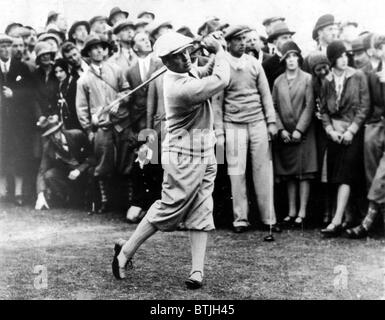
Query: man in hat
(254, 46)
(106, 124)
(74, 58)
(374, 142)
(269, 23)
(325, 31)
(98, 25)
(146, 15)
(78, 33)
(125, 57)
(64, 165)
(57, 21)
(188, 155)
(247, 118)
(158, 29)
(17, 115)
(117, 15)
(53, 40)
(279, 35)
(361, 56)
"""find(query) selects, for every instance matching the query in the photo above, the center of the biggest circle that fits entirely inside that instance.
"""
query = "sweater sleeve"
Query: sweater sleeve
(264, 90)
(196, 91)
(307, 113)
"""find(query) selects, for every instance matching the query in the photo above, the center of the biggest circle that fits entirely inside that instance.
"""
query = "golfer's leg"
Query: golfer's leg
(144, 231)
(198, 240)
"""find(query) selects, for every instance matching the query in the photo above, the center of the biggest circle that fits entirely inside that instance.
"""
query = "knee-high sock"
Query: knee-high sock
(144, 231)
(198, 241)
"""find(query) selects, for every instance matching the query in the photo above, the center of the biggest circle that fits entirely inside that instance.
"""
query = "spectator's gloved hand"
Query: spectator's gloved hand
(285, 136)
(335, 136)
(296, 136)
(74, 174)
(41, 203)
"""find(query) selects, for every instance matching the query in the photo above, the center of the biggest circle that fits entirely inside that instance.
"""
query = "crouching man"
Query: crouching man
(64, 164)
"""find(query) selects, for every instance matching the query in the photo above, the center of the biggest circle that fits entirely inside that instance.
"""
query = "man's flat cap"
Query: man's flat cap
(270, 20)
(171, 43)
(235, 31)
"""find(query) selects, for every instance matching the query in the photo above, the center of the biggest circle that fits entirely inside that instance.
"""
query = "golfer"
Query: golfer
(188, 154)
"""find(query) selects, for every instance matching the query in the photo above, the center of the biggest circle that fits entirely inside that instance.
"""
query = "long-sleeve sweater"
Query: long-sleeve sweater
(188, 109)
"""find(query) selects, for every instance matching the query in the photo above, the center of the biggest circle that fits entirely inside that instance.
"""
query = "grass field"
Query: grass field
(76, 250)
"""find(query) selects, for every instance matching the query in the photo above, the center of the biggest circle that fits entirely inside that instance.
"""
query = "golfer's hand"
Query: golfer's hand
(74, 174)
(8, 93)
(212, 44)
(272, 130)
(41, 203)
(285, 136)
(296, 136)
(95, 120)
(347, 138)
(381, 76)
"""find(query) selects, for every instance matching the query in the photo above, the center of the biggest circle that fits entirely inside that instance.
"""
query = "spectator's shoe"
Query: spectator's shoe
(118, 272)
(299, 223)
(194, 284)
(332, 230)
(358, 232)
(240, 229)
(19, 201)
(347, 225)
(288, 222)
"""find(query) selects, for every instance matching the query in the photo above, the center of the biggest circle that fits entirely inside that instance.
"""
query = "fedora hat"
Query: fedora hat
(75, 25)
(140, 15)
(279, 29)
(123, 24)
(322, 22)
(49, 125)
(114, 11)
(92, 40)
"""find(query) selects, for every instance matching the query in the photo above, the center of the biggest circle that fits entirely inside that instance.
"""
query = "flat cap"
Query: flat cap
(5, 39)
(270, 20)
(171, 43)
(122, 25)
(235, 31)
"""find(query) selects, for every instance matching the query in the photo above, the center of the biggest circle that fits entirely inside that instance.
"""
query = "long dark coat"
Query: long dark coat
(294, 105)
(18, 118)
